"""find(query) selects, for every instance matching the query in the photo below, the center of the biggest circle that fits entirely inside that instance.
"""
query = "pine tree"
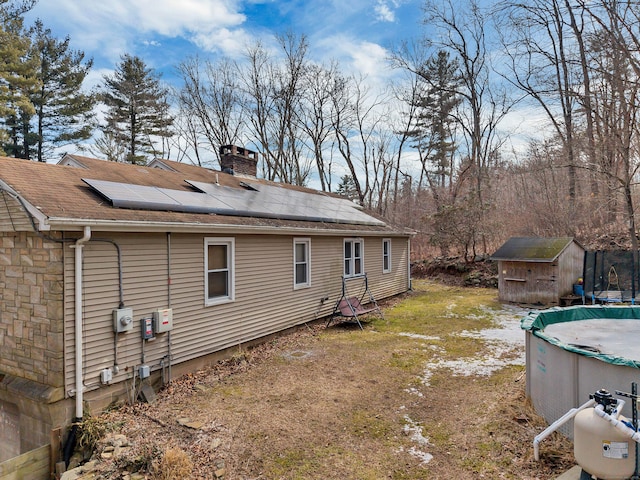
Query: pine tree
(63, 112)
(17, 79)
(347, 187)
(437, 103)
(138, 109)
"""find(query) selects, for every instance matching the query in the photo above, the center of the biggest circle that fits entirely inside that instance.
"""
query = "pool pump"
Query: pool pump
(604, 441)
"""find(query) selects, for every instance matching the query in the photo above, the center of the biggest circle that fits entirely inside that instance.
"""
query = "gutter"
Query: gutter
(71, 224)
(78, 319)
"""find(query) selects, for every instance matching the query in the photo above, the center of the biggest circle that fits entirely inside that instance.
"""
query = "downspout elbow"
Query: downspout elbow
(79, 244)
(85, 237)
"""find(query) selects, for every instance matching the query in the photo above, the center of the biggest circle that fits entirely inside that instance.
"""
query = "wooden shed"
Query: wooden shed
(538, 270)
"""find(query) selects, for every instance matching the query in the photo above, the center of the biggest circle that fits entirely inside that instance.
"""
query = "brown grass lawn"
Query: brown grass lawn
(340, 403)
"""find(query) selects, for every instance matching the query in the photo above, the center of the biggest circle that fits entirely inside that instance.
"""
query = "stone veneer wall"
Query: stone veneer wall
(31, 336)
(31, 316)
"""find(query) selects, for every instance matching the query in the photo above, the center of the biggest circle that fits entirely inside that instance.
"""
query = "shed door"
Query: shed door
(528, 283)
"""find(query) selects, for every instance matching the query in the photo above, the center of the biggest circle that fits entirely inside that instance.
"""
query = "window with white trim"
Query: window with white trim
(301, 262)
(386, 255)
(353, 257)
(219, 265)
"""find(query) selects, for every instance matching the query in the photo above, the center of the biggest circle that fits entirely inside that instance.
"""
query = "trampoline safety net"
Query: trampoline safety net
(610, 276)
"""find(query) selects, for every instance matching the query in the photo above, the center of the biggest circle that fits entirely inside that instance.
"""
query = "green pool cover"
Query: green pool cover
(536, 322)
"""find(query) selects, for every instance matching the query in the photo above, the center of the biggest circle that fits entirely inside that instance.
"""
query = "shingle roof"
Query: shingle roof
(532, 249)
(60, 194)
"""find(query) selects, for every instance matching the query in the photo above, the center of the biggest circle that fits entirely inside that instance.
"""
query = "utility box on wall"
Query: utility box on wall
(163, 320)
(122, 320)
(147, 328)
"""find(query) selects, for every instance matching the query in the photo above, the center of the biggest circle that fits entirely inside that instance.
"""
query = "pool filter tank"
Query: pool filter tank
(601, 449)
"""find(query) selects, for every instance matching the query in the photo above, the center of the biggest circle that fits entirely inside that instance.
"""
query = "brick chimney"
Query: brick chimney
(238, 161)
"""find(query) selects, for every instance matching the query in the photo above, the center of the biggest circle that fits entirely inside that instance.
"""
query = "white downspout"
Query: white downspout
(78, 319)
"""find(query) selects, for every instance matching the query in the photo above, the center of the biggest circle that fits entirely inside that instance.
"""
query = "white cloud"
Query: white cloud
(172, 18)
(230, 42)
(166, 17)
(523, 125)
(384, 13)
(357, 56)
(370, 58)
(95, 77)
(113, 26)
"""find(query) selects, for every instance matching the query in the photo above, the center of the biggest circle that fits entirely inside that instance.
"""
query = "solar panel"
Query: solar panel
(290, 204)
(261, 201)
(125, 194)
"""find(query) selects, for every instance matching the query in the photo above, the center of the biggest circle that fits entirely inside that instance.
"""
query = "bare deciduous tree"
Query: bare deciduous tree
(273, 96)
(542, 52)
(210, 101)
(462, 28)
(358, 124)
(316, 117)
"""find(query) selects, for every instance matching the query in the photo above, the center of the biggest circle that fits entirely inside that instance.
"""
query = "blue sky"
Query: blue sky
(356, 33)
(164, 32)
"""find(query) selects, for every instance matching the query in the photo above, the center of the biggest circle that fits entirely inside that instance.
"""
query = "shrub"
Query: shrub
(175, 463)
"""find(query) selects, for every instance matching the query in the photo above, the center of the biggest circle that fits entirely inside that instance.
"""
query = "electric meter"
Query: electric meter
(122, 320)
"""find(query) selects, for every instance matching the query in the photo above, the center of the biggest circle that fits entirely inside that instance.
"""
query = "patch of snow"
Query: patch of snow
(508, 326)
(414, 391)
(505, 346)
(450, 313)
(414, 430)
(424, 456)
(416, 335)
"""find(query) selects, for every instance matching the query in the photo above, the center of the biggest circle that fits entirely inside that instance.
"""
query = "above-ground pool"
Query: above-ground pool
(573, 352)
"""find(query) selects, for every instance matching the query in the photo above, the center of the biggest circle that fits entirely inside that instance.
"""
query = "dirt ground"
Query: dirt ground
(341, 403)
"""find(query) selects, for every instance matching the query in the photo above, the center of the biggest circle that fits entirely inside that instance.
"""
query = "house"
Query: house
(538, 270)
(113, 276)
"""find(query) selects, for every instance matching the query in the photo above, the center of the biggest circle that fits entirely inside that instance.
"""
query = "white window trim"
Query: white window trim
(353, 241)
(230, 242)
(388, 241)
(307, 242)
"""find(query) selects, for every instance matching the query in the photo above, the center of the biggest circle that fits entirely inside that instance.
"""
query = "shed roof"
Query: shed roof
(61, 199)
(532, 249)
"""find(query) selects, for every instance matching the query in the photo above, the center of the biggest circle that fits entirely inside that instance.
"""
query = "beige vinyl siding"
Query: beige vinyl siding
(383, 284)
(12, 216)
(144, 285)
(265, 299)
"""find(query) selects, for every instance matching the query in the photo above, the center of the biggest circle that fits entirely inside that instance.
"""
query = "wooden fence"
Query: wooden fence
(33, 465)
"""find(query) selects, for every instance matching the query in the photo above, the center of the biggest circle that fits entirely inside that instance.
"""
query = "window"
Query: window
(386, 255)
(301, 262)
(353, 257)
(219, 266)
